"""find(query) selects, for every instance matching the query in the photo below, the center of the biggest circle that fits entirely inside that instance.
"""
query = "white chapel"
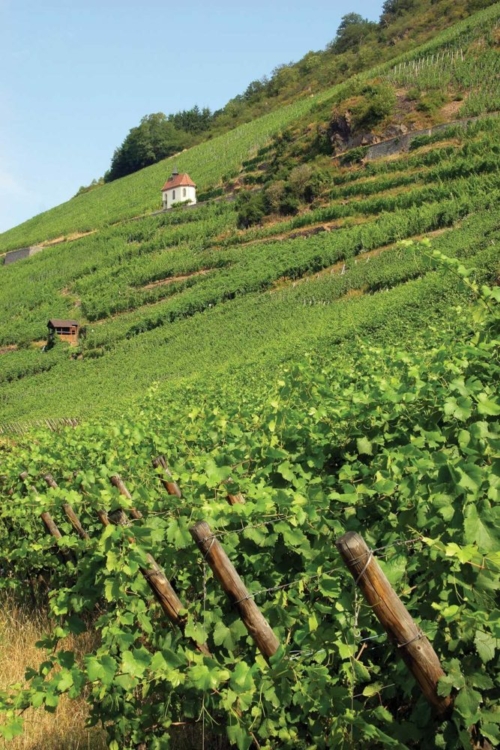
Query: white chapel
(177, 189)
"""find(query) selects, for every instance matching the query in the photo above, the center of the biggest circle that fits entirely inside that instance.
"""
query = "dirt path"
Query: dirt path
(66, 238)
(173, 279)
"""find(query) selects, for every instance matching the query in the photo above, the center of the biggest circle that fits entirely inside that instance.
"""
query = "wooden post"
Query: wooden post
(75, 521)
(64, 555)
(414, 647)
(237, 499)
(118, 482)
(157, 581)
(103, 517)
(226, 574)
(51, 528)
(68, 510)
(171, 486)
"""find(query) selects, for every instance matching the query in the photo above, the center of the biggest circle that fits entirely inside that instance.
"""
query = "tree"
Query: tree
(154, 139)
(391, 9)
(351, 32)
(194, 120)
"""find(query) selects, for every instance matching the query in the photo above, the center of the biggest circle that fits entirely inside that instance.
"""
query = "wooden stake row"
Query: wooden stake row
(158, 583)
(415, 649)
(70, 513)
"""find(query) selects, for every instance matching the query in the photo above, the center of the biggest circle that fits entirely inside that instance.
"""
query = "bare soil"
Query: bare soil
(173, 279)
(66, 238)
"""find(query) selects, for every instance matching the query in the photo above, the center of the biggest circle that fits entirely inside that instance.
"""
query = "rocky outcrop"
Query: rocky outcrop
(340, 131)
(341, 137)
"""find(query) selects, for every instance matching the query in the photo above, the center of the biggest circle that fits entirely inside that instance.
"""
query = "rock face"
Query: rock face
(339, 131)
(394, 131)
(341, 136)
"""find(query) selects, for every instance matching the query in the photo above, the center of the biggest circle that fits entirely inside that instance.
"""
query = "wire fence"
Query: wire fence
(54, 424)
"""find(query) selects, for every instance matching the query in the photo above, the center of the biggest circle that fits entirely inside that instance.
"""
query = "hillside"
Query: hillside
(144, 288)
(317, 356)
(357, 46)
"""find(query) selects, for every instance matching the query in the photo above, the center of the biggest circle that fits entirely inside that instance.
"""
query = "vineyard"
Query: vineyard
(407, 456)
(210, 163)
(181, 490)
(214, 163)
(142, 289)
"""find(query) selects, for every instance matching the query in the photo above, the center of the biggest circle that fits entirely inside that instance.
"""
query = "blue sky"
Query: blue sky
(76, 75)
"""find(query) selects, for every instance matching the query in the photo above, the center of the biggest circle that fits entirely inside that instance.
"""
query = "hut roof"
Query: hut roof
(59, 323)
(178, 180)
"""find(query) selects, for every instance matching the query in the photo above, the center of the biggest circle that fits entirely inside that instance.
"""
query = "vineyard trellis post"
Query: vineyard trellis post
(237, 499)
(66, 556)
(171, 486)
(226, 574)
(157, 581)
(67, 508)
(118, 482)
(413, 645)
(51, 528)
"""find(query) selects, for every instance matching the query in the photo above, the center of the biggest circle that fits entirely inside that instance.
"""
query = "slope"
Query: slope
(212, 163)
(182, 293)
(337, 367)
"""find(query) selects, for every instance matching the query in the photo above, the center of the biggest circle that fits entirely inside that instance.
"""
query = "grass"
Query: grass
(20, 628)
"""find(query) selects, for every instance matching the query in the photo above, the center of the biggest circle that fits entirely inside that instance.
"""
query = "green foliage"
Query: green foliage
(400, 447)
(352, 32)
(251, 209)
(353, 156)
(397, 8)
(154, 139)
(378, 101)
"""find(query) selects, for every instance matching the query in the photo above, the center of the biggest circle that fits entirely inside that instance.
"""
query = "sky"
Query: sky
(76, 75)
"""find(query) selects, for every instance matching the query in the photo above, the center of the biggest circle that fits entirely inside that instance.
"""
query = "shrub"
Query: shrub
(251, 209)
(299, 178)
(354, 156)
(274, 194)
(289, 205)
(377, 102)
(431, 102)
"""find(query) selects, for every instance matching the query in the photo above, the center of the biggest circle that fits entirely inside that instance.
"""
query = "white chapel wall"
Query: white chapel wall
(177, 195)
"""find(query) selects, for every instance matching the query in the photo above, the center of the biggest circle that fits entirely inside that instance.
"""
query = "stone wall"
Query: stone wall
(402, 142)
(24, 252)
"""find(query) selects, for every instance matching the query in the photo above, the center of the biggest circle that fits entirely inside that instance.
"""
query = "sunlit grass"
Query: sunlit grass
(20, 628)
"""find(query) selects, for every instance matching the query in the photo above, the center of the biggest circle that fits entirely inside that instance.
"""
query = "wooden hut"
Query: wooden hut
(66, 330)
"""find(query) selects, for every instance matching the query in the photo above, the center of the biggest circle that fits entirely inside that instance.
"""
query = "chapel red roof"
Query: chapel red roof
(178, 180)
